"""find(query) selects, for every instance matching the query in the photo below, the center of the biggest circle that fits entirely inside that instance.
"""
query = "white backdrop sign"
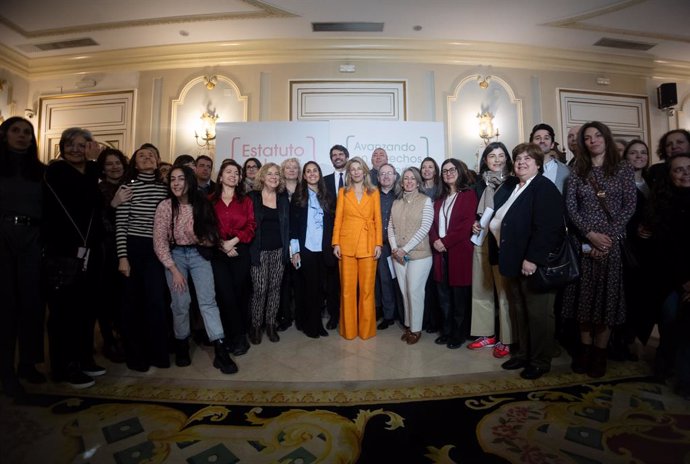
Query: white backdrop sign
(273, 141)
(407, 143)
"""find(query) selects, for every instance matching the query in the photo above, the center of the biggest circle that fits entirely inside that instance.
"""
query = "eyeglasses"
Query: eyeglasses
(75, 146)
(449, 171)
(386, 174)
(251, 166)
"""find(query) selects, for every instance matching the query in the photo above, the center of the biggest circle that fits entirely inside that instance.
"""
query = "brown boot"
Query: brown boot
(597, 364)
(581, 358)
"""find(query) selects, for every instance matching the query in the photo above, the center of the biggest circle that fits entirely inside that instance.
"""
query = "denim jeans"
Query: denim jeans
(191, 263)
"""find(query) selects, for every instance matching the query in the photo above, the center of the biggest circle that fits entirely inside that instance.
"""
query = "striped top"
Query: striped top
(135, 217)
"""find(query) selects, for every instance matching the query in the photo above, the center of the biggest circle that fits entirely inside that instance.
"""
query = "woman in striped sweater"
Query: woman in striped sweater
(144, 320)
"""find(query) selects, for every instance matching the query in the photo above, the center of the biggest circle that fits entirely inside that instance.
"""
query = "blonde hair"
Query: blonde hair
(366, 182)
(260, 179)
(285, 163)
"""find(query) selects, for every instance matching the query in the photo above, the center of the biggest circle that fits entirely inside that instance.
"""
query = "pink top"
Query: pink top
(163, 235)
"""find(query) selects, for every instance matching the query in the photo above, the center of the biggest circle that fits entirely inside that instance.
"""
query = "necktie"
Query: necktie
(340, 182)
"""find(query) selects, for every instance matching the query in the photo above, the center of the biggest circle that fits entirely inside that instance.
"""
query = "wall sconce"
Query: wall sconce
(29, 113)
(210, 82)
(486, 127)
(208, 129)
(483, 82)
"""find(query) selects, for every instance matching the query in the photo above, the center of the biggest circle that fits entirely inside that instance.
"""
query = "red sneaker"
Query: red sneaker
(482, 342)
(501, 350)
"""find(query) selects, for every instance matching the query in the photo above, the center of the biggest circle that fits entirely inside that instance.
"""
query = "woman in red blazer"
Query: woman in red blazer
(357, 242)
(450, 234)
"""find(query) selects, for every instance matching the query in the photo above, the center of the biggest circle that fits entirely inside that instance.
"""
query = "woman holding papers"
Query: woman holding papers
(495, 167)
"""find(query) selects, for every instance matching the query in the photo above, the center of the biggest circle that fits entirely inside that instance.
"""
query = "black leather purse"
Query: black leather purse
(562, 268)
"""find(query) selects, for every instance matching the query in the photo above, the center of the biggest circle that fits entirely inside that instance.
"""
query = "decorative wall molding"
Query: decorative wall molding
(225, 99)
(469, 98)
(341, 50)
(321, 100)
(626, 115)
(109, 116)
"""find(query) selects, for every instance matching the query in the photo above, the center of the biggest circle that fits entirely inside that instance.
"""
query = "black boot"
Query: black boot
(272, 334)
(182, 358)
(222, 359)
(240, 345)
(581, 358)
(597, 365)
(255, 335)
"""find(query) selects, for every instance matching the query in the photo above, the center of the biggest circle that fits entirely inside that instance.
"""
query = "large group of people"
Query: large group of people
(152, 253)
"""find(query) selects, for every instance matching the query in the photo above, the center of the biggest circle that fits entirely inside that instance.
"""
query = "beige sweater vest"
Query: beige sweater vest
(406, 217)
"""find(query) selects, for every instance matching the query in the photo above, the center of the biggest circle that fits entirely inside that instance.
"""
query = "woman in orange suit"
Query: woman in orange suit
(357, 242)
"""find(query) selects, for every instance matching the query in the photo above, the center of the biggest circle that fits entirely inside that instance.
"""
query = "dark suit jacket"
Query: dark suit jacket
(456, 241)
(533, 227)
(209, 189)
(283, 217)
(298, 229)
(330, 184)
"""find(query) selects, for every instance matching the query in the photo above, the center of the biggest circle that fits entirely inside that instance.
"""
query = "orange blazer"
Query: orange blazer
(357, 227)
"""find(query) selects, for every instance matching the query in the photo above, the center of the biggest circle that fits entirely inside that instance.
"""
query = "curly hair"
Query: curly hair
(260, 179)
(661, 148)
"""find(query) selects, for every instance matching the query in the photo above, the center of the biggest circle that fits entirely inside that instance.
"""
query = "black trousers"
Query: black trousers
(232, 290)
(72, 317)
(333, 291)
(144, 318)
(312, 279)
(456, 308)
(22, 309)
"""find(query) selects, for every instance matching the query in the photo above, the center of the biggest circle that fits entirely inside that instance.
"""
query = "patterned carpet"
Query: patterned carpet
(497, 418)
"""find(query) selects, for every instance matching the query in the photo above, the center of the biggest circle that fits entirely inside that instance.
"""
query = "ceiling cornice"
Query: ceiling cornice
(261, 11)
(338, 50)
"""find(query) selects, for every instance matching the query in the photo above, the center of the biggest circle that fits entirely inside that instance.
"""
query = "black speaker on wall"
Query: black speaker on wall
(666, 95)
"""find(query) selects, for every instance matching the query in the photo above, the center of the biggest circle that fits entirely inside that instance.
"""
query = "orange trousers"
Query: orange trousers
(357, 318)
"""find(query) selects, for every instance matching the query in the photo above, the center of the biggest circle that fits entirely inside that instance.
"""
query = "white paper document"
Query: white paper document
(484, 221)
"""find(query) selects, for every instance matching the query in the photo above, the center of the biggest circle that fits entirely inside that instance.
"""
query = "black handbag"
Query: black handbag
(562, 268)
(61, 271)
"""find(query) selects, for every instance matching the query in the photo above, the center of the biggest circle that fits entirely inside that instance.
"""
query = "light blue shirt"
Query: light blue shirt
(314, 237)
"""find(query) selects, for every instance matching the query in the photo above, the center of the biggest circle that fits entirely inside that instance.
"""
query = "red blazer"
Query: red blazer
(456, 241)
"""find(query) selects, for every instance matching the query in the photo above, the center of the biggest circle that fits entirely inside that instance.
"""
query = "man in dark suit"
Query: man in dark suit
(204, 169)
(339, 156)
